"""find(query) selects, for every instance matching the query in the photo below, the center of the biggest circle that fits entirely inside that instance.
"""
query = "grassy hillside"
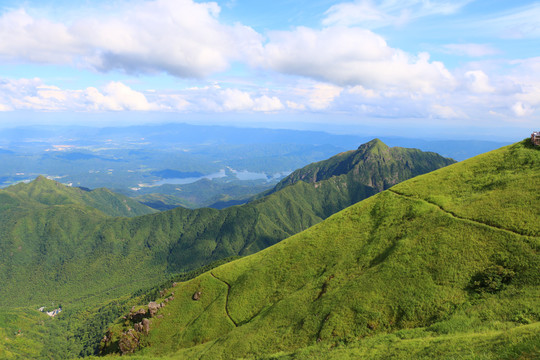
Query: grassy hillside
(443, 265)
(46, 192)
(57, 247)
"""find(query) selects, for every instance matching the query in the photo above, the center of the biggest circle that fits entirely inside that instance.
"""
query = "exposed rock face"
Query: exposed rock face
(146, 326)
(197, 295)
(129, 341)
(153, 308)
(137, 315)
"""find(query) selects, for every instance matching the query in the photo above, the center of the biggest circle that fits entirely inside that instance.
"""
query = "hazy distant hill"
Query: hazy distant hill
(444, 265)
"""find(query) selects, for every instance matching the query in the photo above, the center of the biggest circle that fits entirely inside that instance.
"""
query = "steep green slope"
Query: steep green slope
(46, 192)
(447, 254)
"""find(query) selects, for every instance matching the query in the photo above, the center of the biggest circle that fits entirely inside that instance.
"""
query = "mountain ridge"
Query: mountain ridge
(372, 162)
(435, 261)
(48, 192)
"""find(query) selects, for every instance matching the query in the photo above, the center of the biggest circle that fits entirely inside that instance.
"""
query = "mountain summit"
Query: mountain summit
(46, 192)
(373, 164)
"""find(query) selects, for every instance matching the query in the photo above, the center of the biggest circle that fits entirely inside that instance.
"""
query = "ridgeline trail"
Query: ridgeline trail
(456, 216)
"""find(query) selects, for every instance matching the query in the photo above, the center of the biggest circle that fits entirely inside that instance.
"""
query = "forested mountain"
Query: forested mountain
(444, 265)
(373, 164)
(45, 192)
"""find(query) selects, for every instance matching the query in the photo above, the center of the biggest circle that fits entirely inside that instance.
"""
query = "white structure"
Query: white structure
(535, 138)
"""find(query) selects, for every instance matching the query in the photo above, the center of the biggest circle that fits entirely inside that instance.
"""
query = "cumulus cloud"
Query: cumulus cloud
(322, 96)
(445, 111)
(479, 82)
(521, 109)
(235, 100)
(366, 93)
(23, 37)
(295, 106)
(33, 94)
(267, 104)
(180, 37)
(352, 56)
(117, 96)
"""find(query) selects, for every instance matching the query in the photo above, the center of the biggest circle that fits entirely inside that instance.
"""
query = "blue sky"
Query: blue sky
(423, 68)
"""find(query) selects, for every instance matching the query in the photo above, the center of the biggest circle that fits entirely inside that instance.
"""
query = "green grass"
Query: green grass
(56, 248)
(398, 264)
(63, 249)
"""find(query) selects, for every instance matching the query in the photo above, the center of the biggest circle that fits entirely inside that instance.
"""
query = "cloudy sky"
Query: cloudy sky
(445, 68)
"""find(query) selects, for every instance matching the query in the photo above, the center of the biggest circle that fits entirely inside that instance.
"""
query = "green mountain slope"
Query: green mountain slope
(57, 247)
(445, 256)
(47, 192)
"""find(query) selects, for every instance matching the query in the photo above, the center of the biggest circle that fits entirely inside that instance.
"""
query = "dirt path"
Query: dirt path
(227, 298)
(454, 215)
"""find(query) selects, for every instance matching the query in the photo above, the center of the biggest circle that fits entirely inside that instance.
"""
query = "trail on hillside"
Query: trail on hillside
(456, 216)
(226, 298)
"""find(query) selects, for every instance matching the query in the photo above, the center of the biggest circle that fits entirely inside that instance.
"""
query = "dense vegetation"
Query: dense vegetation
(444, 265)
(43, 192)
(78, 330)
(58, 248)
(373, 164)
(63, 250)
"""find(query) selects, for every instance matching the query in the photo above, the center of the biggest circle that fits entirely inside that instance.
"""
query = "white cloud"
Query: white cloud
(388, 12)
(351, 13)
(360, 90)
(267, 104)
(117, 96)
(295, 106)
(479, 82)
(472, 50)
(235, 100)
(521, 109)
(35, 95)
(353, 56)
(445, 112)
(37, 40)
(322, 96)
(517, 23)
(180, 37)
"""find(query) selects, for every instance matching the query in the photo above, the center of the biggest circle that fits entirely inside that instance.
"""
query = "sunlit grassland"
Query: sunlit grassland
(400, 273)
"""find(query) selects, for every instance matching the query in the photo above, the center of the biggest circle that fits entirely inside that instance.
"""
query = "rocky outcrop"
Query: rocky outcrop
(153, 308)
(129, 341)
(137, 322)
